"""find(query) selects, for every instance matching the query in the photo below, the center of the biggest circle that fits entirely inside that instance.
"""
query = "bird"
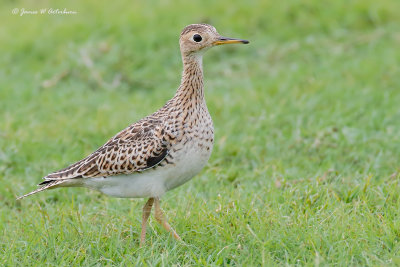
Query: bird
(159, 152)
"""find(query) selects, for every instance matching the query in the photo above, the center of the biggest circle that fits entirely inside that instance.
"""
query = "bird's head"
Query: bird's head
(197, 38)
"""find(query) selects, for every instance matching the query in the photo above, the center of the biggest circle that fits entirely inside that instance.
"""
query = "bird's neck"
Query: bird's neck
(191, 88)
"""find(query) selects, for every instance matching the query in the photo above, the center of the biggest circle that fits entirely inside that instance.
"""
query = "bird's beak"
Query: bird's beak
(225, 40)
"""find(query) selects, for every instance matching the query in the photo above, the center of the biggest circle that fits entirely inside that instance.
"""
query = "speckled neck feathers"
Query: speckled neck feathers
(192, 87)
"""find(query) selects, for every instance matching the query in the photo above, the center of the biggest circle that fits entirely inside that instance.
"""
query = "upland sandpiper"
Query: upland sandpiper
(161, 151)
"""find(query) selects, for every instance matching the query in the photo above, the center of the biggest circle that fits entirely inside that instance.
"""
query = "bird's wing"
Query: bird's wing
(141, 146)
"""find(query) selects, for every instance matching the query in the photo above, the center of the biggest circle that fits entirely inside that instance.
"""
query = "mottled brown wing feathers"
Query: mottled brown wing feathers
(141, 146)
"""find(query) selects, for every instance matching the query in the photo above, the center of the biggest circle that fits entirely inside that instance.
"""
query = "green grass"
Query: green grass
(305, 169)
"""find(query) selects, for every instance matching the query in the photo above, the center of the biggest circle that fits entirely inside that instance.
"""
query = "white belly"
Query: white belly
(188, 162)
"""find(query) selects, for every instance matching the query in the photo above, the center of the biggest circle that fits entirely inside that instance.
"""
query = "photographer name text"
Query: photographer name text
(43, 11)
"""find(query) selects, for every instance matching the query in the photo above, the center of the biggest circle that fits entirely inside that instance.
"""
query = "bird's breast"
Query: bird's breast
(187, 161)
(191, 153)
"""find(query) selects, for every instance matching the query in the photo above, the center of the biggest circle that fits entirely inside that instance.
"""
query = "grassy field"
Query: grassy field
(305, 169)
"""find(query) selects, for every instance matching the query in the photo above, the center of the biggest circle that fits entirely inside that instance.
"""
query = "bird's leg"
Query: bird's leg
(162, 220)
(146, 213)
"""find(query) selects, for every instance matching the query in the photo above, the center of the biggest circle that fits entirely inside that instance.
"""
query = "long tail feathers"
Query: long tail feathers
(47, 185)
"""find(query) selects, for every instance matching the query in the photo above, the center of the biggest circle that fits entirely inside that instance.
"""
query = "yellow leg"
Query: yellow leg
(162, 220)
(146, 213)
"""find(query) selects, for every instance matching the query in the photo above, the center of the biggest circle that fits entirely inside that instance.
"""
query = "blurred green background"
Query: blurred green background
(305, 168)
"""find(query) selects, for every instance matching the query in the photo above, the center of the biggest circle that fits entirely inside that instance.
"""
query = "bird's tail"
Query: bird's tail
(44, 185)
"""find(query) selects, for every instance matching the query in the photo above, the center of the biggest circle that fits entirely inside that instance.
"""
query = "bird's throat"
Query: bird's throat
(191, 88)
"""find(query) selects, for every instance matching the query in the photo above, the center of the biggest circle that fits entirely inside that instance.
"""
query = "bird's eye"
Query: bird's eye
(197, 38)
